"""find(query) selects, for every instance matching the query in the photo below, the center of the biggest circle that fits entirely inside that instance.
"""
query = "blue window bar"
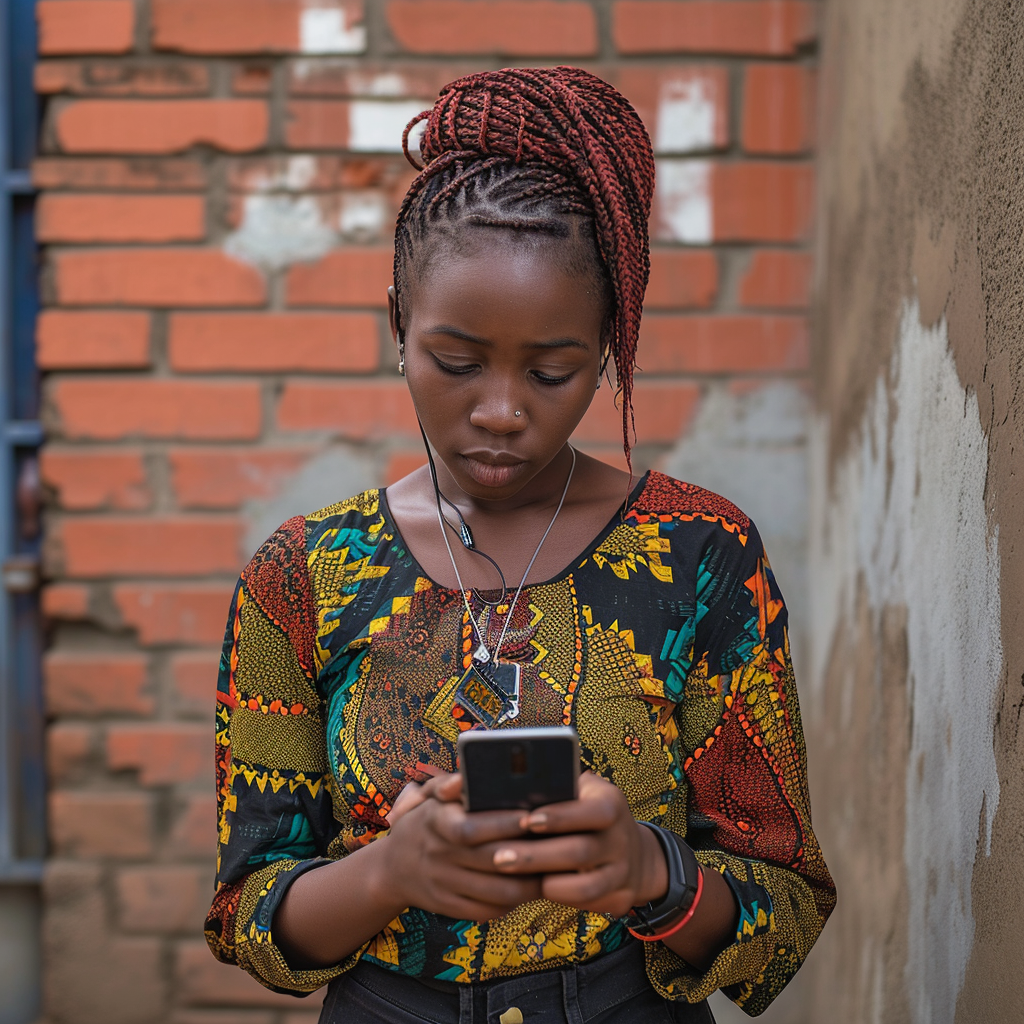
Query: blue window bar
(22, 777)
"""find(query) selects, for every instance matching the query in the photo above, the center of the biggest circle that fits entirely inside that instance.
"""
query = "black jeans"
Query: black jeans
(610, 990)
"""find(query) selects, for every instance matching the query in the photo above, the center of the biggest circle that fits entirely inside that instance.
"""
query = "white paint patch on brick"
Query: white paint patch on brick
(376, 126)
(683, 196)
(299, 172)
(905, 518)
(323, 29)
(278, 230)
(686, 115)
(362, 215)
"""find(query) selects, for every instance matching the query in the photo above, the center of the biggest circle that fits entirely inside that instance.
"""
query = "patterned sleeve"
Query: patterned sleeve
(273, 786)
(744, 760)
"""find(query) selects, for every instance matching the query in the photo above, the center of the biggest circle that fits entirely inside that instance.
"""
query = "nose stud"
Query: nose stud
(518, 413)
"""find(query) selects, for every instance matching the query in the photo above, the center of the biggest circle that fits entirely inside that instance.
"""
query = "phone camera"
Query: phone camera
(517, 756)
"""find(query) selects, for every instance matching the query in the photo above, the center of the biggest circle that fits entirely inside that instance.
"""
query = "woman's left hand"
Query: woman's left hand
(591, 852)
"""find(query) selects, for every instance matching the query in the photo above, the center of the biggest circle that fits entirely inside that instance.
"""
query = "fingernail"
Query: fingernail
(503, 857)
(537, 820)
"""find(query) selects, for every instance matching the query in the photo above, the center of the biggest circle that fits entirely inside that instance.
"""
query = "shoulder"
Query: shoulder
(280, 563)
(667, 499)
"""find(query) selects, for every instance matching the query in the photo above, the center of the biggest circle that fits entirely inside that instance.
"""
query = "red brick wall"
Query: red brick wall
(218, 179)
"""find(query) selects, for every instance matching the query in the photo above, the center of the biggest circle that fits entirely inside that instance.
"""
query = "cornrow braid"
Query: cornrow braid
(527, 149)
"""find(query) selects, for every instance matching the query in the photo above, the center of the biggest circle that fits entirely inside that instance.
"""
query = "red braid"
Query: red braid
(543, 139)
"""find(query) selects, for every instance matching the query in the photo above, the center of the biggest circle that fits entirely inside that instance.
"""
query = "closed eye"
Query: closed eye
(547, 379)
(456, 369)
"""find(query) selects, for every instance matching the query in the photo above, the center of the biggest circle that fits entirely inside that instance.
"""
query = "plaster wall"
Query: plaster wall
(916, 646)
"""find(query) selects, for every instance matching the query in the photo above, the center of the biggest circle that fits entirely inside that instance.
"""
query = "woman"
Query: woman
(644, 614)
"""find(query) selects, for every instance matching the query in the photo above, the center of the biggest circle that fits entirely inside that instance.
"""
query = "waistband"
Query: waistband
(595, 986)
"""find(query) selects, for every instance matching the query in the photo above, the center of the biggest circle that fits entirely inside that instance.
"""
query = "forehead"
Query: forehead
(500, 276)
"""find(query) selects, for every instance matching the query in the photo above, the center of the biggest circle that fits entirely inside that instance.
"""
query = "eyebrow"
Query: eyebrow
(457, 332)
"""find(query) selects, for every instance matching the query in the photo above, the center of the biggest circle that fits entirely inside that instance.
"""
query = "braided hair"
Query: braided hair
(541, 150)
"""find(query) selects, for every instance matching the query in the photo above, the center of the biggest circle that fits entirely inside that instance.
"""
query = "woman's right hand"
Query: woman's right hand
(434, 856)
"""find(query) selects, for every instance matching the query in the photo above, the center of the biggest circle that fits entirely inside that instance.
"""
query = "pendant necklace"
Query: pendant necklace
(489, 688)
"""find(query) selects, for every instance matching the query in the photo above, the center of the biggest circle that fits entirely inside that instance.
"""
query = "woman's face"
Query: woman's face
(501, 326)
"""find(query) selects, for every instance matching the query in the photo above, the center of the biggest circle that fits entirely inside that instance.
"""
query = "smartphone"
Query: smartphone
(508, 769)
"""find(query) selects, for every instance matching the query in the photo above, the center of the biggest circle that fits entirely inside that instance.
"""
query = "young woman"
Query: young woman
(642, 613)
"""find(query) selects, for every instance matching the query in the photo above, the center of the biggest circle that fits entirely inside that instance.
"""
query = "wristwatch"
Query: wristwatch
(683, 884)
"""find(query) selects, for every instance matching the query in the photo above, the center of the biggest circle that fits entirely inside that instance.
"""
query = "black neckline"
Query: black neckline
(573, 563)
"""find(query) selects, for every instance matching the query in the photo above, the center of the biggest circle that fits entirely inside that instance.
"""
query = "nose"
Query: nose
(499, 413)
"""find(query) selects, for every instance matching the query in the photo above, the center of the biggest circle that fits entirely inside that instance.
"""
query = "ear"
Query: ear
(393, 314)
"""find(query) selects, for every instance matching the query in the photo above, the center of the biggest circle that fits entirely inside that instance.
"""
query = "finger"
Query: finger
(487, 887)
(448, 788)
(577, 852)
(602, 889)
(594, 811)
(458, 828)
(410, 797)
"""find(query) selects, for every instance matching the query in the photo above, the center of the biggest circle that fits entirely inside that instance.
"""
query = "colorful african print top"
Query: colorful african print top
(664, 644)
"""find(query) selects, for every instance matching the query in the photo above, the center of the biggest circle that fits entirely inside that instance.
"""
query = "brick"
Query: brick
(85, 26)
(685, 109)
(681, 279)
(69, 748)
(97, 824)
(402, 463)
(66, 601)
(762, 202)
(200, 980)
(724, 344)
(344, 277)
(161, 126)
(322, 172)
(778, 109)
(106, 218)
(318, 124)
(156, 277)
(111, 409)
(90, 479)
(94, 683)
(224, 478)
(357, 411)
(164, 546)
(194, 828)
(524, 28)
(174, 613)
(258, 26)
(362, 125)
(663, 410)
(194, 681)
(373, 79)
(163, 753)
(756, 27)
(252, 80)
(274, 342)
(777, 279)
(145, 174)
(67, 340)
(121, 78)
(163, 898)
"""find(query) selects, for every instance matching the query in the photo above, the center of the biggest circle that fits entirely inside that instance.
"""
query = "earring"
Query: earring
(401, 359)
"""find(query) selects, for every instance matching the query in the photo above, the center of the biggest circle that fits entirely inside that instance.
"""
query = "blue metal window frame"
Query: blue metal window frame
(22, 775)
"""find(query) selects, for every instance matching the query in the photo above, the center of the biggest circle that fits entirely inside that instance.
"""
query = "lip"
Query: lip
(492, 469)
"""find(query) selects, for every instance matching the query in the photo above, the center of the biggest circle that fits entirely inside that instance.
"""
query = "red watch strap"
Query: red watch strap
(682, 922)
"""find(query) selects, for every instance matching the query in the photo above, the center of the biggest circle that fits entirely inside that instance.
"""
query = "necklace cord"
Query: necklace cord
(458, 576)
